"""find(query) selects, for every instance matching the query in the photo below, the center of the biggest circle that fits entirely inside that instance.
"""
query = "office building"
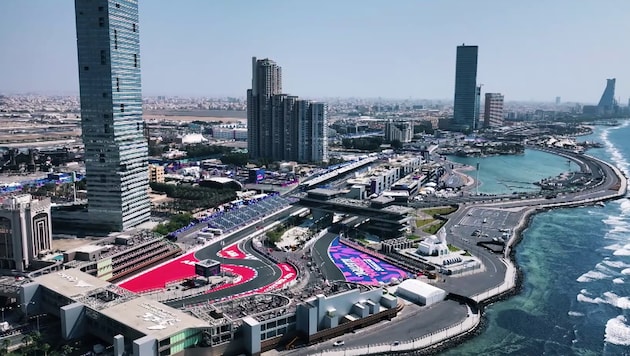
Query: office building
(607, 102)
(398, 131)
(493, 110)
(281, 126)
(111, 113)
(25, 231)
(465, 106)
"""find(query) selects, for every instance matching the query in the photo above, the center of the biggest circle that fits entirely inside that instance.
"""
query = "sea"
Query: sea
(575, 297)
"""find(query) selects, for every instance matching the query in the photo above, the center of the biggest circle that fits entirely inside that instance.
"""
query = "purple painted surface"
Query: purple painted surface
(360, 267)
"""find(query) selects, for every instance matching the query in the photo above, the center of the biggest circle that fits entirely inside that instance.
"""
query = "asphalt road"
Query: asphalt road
(267, 270)
(412, 322)
(322, 259)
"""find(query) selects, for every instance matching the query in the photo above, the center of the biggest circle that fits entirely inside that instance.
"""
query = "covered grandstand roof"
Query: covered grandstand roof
(222, 182)
(139, 313)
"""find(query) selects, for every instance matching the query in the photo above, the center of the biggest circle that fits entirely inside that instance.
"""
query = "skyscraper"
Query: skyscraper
(266, 82)
(281, 126)
(493, 110)
(607, 101)
(465, 88)
(111, 113)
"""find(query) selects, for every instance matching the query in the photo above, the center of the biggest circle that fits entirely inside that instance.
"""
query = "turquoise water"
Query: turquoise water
(516, 173)
(576, 289)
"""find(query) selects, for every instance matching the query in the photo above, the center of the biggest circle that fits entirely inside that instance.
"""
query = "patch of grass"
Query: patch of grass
(467, 253)
(433, 228)
(413, 237)
(422, 222)
(452, 248)
(439, 211)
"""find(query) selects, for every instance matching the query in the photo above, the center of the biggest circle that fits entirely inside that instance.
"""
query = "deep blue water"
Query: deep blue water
(576, 262)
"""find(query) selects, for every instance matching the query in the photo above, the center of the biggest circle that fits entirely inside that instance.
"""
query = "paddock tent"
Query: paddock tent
(420, 292)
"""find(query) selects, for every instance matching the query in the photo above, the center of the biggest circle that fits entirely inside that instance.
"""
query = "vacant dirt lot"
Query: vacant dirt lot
(192, 118)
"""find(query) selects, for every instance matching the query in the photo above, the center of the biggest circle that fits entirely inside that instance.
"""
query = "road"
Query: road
(267, 270)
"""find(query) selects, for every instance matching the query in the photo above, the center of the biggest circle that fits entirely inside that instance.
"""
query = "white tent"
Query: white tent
(420, 292)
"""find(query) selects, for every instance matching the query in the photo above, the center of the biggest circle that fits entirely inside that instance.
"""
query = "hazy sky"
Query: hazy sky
(528, 50)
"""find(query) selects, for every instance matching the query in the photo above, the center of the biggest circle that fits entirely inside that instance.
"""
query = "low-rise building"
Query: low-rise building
(25, 231)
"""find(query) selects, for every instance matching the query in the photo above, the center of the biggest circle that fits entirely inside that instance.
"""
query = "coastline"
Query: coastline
(524, 223)
(513, 278)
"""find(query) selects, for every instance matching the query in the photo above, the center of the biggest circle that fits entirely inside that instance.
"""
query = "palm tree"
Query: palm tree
(66, 350)
(45, 347)
(5, 346)
(27, 340)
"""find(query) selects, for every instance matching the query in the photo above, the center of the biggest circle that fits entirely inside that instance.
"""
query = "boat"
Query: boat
(601, 204)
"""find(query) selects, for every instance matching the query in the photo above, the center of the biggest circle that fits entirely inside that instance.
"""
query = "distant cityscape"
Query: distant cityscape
(268, 223)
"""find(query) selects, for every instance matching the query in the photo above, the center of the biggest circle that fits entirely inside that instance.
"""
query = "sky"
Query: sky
(530, 50)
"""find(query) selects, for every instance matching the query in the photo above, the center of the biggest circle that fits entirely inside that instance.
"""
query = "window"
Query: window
(100, 9)
(117, 84)
(103, 178)
(137, 126)
(115, 39)
(101, 22)
(106, 130)
(117, 5)
(133, 27)
(104, 95)
(106, 116)
(103, 57)
(101, 157)
(122, 107)
(135, 60)
(86, 68)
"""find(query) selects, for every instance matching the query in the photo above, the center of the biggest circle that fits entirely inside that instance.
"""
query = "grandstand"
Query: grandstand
(253, 209)
(114, 258)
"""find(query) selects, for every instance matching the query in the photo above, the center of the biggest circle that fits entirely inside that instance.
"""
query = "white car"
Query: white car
(339, 343)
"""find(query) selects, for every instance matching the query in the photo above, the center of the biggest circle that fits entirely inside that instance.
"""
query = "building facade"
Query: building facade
(607, 102)
(111, 113)
(493, 112)
(266, 82)
(156, 173)
(465, 102)
(281, 126)
(398, 130)
(25, 231)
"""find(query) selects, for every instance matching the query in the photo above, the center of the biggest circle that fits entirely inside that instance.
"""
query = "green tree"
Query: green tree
(396, 144)
(6, 343)
(66, 350)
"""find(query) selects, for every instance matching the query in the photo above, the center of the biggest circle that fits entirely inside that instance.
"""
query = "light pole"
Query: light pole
(25, 305)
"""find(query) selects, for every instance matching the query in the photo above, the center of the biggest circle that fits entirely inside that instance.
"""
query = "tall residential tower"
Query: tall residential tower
(266, 82)
(108, 46)
(280, 126)
(493, 113)
(466, 93)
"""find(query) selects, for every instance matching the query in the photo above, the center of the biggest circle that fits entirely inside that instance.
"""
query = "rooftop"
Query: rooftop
(139, 313)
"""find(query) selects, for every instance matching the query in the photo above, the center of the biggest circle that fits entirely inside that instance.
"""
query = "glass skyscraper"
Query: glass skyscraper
(466, 93)
(108, 46)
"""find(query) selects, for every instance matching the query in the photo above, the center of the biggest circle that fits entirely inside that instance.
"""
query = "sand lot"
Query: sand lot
(150, 117)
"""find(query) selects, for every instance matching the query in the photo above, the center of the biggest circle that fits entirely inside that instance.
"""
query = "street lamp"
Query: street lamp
(25, 305)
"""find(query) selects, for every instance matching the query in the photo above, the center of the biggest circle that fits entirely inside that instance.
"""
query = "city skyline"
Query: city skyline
(534, 52)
